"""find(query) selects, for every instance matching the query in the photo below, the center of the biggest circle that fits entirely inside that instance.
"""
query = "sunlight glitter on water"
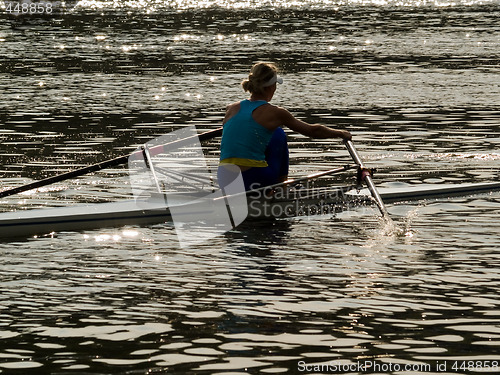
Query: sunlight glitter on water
(479, 156)
(268, 293)
(155, 5)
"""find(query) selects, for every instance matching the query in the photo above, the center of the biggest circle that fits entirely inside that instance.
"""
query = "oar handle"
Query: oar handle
(367, 178)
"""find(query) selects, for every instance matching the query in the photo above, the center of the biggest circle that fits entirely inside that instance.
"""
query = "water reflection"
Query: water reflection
(257, 237)
(418, 87)
(315, 294)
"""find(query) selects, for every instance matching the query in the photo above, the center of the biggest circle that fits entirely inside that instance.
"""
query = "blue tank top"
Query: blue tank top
(244, 140)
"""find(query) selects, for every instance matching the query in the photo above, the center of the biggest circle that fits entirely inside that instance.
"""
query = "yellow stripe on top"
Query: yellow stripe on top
(244, 162)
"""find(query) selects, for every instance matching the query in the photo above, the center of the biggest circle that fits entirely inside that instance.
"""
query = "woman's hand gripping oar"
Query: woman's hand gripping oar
(365, 175)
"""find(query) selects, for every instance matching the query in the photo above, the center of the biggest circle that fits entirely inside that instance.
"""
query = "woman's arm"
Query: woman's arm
(310, 130)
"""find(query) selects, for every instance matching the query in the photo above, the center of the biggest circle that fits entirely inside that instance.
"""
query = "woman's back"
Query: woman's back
(244, 140)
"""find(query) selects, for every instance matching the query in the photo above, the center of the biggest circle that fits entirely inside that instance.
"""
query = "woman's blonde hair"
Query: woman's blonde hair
(260, 73)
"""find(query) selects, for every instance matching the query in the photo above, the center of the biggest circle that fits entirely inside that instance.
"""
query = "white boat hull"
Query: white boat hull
(154, 210)
(80, 217)
(24, 224)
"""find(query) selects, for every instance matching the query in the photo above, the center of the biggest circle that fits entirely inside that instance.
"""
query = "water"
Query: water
(415, 82)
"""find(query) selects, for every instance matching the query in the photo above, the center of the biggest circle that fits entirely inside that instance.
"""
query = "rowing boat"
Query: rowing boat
(291, 201)
(292, 198)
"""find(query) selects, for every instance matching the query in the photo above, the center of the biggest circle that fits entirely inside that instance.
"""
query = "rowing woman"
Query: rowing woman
(253, 138)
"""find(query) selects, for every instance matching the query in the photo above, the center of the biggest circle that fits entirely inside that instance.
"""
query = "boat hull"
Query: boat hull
(155, 210)
(80, 217)
(288, 203)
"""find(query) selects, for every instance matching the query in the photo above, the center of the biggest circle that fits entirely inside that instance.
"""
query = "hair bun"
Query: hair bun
(259, 74)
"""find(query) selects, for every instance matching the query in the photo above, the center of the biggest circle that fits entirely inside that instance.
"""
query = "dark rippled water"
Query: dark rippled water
(418, 86)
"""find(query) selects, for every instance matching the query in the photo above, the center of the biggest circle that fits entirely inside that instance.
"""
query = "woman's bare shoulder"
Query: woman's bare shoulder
(280, 112)
(231, 110)
(233, 106)
(271, 108)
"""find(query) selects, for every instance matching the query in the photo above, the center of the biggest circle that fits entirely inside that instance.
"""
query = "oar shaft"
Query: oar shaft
(354, 153)
(311, 176)
(367, 179)
(376, 196)
(102, 165)
(65, 176)
(291, 182)
(305, 178)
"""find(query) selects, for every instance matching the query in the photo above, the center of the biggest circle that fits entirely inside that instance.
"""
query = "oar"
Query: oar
(367, 178)
(308, 177)
(292, 181)
(106, 164)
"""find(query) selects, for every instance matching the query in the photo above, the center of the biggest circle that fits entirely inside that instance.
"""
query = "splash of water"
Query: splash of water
(390, 230)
